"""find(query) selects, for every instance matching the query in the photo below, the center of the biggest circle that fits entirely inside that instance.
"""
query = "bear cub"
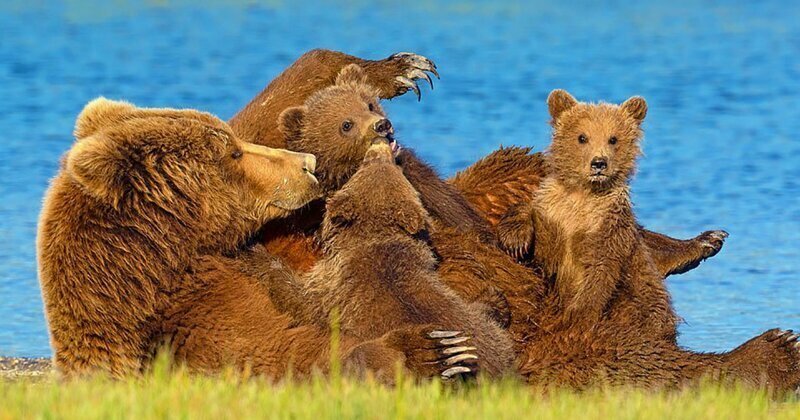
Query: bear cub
(379, 272)
(581, 223)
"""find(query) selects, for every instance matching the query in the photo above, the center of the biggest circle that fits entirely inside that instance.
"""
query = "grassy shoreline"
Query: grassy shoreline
(169, 394)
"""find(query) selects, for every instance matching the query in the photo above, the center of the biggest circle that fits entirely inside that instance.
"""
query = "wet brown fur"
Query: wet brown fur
(142, 194)
(610, 316)
(508, 178)
(379, 272)
(233, 321)
(315, 127)
(468, 262)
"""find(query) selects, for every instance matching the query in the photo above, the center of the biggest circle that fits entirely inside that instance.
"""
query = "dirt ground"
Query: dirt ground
(16, 367)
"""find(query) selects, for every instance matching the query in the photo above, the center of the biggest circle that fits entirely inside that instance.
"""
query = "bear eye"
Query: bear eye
(371, 107)
(582, 139)
(347, 126)
(236, 154)
(612, 140)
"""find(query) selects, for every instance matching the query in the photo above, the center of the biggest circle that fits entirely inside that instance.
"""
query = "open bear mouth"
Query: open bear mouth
(393, 144)
(598, 178)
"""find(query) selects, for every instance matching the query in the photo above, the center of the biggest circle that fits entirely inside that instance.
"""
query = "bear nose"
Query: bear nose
(383, 127)
(599, 164)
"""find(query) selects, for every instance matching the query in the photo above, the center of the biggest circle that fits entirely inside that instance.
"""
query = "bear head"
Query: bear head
(185, 166)
(337, 125)
(377, 202)
(594, 145)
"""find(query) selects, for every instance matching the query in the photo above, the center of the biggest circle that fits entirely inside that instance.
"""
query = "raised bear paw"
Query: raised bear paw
(515, 232)
(411, 68)
(711, 242)
(379, 151)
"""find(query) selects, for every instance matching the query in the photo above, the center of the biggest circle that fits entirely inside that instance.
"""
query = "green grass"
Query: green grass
(165, 394)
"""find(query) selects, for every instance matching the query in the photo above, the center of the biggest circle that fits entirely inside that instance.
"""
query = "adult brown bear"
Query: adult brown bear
(133, 229)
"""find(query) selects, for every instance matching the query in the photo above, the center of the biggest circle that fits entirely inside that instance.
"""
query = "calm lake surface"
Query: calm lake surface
(722, 135)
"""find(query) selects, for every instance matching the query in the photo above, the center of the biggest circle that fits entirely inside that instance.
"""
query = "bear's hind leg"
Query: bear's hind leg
(771, 359)
(119, 357)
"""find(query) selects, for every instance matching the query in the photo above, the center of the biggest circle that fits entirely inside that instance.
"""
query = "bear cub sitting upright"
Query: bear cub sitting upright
(581, 221)
(379, 272)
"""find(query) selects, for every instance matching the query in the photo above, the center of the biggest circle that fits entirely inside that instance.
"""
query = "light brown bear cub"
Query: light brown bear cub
(338, 124)
(615, 322)
(142, 194)
(379, 271)
(581, 222)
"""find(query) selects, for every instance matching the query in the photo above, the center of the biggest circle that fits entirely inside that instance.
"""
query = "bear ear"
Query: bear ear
(100, 113)
(290, 122)
(559, 101)
(352, 73)
(339, 209)
(413, 223)
(636, 107)
(98, 167)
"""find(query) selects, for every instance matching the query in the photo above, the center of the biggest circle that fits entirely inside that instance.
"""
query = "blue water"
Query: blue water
(722, 135)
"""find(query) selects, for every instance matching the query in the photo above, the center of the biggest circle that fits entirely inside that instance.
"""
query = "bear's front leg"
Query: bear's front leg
(676, 256)
(281, 284)
(316, 70)
(399, 73)
(421, 350)
(516, 229)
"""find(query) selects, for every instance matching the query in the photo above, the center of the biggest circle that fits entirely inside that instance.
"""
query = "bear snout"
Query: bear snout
(383, 127)
(309, 163)
(598, 165)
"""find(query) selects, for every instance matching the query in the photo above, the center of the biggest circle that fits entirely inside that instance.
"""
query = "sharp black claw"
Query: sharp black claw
(433, 70)
(409, 84)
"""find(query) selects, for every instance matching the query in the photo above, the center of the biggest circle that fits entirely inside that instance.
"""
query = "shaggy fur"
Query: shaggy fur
(312, 72)
(508, 177)
(608, 294)
(130, 254)
(477, 270)
(317, 127)
(317, 70)
(379, 271)
(232, 321)
(139, 197)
